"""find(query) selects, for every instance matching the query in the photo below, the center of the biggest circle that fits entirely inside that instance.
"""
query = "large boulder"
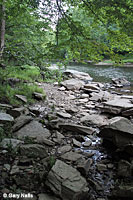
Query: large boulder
(33, 130)
(76, 74)
(117, 105)
(94, 119)
(73, 84)
(119, 131)
(120, 82)
(66, 182)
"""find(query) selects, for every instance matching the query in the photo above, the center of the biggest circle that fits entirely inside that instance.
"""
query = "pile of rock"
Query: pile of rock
(54, 146)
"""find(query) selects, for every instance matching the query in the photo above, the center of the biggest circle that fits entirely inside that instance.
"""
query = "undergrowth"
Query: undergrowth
(25, 77)
(26, 86)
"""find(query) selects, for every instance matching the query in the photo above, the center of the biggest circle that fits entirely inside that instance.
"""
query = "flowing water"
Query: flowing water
(102, 73)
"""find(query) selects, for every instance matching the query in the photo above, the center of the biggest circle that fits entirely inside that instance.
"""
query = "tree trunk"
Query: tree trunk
(2, 31)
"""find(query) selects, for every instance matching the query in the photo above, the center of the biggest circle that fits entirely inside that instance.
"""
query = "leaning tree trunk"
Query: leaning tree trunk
(2, 30)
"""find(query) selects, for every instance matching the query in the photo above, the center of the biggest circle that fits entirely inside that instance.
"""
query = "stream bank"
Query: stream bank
(77, 144)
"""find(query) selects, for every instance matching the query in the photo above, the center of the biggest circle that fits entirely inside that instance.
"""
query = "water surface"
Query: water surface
(102, 73)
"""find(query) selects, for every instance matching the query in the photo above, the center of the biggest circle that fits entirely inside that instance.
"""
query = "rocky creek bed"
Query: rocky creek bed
(77, 144)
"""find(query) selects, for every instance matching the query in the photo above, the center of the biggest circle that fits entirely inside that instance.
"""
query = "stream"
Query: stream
(102, 73)
(103, 181)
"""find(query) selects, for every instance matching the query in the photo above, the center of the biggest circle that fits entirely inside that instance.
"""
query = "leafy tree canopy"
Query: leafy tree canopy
(66, 29)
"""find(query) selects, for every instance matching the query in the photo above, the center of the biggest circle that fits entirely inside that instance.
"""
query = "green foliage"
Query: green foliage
(66, 30)
(51, 161)
(53, 75)
(2, 134)
(8, 93)
(25, 74)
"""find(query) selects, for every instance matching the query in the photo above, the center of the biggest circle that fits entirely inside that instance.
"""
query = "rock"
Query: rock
(13, 81)
(124, 169)
(73, 84)
(127, 113)
(91, 86)
(66, 182)
(4, 118)
(87, 143)
(20, 122)
(33, 150)
(77, 128)
(16, 112)
(71, 110)
(119, 131)
(22, 98)
(44, 196)
(5, 106)
(123, 191)
(120, 81)
(101, 167)
(62, 88)
(58, 137)
(10, 142)
(84, 167)
(85, 100)
(64, 115)
(14, 170)
(64, 149)
(84, 96)
(39, 96)
(48, 142)
(96, 185)
(76, 143)
(80, 75)
(117, 105)
(71, 156)
(7, 167)
(129, 149)
(35, 110)
(94, 119)
(33, 130)
(101, 96)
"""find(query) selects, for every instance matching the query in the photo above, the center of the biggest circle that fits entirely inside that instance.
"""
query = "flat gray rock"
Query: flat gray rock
(84, 130)
(80, 75)
(117, 105)
(94, 119)
(66, 181)
(6, 142)
(64, 149)
(33, 150)
(73, 84)
(33, 130)
(6, 118)
(21, 121)
(92, 86)
(64, 115)
(71, 156)
(22, 98)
